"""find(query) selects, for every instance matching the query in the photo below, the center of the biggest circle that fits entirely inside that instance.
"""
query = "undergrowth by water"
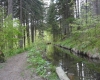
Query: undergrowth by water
(86, 40)
(38, 62)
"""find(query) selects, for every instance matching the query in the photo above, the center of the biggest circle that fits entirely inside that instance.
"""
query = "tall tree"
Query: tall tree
(20, 17)
(10, 7)
(10, 13)
(66, 12)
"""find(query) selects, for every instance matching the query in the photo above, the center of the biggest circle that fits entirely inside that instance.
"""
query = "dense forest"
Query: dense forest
(19, 21)
(28, 24)
(22, 21)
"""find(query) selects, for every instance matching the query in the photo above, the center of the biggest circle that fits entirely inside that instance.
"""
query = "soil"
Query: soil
(15, 68)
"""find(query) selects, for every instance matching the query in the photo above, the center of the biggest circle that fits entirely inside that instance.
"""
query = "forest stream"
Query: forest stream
(78, 67)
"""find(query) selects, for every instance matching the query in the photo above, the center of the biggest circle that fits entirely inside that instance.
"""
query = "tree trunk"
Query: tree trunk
(24, 38)
(86, 11)
(10, 12)
(20, 37)
(10, 7)
(27, 29)
(78, 12)
(32, 30)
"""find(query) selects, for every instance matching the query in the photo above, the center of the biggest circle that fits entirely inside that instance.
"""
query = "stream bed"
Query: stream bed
(76, 67)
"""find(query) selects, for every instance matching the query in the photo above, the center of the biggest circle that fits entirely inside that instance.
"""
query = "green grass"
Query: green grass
(37, 61)
(86, 40)
(13, 52)
(1, 66)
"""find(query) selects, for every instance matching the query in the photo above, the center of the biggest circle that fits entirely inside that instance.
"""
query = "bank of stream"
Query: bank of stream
(77, 67)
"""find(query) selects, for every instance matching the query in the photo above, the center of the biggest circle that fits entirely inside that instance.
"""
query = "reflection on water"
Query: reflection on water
(72, 64)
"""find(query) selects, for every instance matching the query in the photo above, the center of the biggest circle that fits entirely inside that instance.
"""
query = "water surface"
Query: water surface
(80, 68)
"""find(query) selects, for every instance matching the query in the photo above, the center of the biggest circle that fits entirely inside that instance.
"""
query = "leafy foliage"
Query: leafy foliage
(85, 36)
(42, 67)
(9, 34)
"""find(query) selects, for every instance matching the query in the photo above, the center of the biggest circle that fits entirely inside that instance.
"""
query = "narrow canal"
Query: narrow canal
(77, 67)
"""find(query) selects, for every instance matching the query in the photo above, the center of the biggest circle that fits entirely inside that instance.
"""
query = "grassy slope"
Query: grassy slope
(87, 40)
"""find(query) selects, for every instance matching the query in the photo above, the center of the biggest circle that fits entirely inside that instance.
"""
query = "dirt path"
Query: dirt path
(16, 69)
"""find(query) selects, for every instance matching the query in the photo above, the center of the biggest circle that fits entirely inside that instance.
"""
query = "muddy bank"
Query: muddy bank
(81, 53)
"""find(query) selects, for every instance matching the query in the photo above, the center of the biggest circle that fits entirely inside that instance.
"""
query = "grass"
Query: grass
(1, 66)
(37, 61)
(13, 52)
(86, 40)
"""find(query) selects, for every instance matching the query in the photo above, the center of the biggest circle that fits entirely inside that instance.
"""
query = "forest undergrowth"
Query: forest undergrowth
(86, 40)
(38, 62)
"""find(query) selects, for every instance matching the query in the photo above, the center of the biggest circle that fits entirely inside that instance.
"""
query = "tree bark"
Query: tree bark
(10, 7)
(20, 37)
(10, 12)
(27, 29)
(32, 30)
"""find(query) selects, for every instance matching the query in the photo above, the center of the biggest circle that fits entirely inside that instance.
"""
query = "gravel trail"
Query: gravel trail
(15, 68)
